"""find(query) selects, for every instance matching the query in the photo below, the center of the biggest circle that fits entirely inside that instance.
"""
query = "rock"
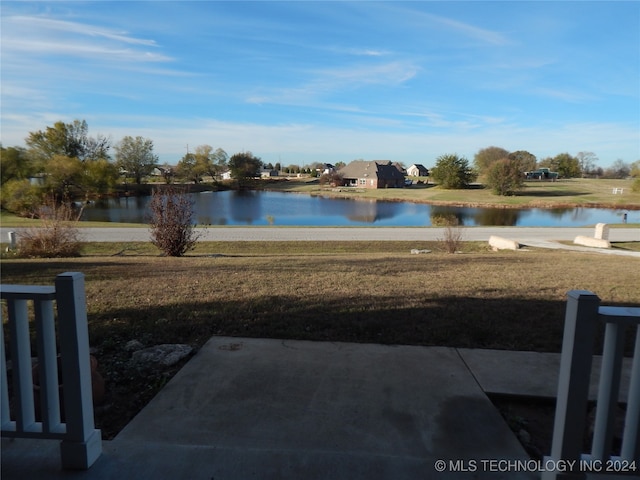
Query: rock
(133, 346)
(499, 243)
(415, 251)
(602, 231)
(592, 242)
(524, 436)
(165, 355)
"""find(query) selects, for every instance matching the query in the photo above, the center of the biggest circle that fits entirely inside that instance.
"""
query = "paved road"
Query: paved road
(524, 235)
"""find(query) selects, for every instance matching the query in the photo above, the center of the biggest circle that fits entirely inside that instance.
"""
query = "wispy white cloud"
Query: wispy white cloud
(45, 36)
(571, 96)
(359, 51)
(472, 31)
(327, 81)
(390, 73)
(66, 27)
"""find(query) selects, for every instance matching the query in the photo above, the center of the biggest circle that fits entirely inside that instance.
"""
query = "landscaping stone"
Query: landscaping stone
(499, 243)
(416, 251)
(133, 346)
(592, 242)
(165, 355)
(602, 231)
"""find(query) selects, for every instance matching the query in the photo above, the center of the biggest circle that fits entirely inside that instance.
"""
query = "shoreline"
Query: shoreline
(444, 203)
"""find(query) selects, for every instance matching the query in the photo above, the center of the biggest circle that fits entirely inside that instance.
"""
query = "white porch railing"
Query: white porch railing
(582, 315)
(81, 442)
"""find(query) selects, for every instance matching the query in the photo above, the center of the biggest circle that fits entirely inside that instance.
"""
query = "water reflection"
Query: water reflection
(290, 209)
(503, 217)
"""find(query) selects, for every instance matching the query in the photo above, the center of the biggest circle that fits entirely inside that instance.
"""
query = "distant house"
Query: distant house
(325, 169)
(541, 174)
(417, 170)
(372, 174)
(226, 175)
(268, 172)
(400, 167)
(163, 170)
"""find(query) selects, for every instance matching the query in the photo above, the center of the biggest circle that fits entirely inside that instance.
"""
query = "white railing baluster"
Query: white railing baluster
(81, 441)
(21, 363)
(631, 438)
(5, 423)
(608, 391)
(47, 366)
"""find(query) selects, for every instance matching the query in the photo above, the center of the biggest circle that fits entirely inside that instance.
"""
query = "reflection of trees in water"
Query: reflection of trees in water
(245, 206)
(210, 208)
(440, 216)
(576, 213)
(122, 209)
(369, 211)
(502, 217)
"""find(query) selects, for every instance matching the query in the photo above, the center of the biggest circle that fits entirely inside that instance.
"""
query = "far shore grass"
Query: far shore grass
(574, 192)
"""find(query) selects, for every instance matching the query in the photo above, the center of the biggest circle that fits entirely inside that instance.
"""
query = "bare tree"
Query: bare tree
(587, 161)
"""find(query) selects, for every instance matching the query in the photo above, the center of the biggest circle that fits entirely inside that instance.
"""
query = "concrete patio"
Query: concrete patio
(279, 409)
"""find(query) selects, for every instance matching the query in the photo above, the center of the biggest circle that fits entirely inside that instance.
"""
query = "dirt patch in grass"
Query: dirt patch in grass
(337, 291)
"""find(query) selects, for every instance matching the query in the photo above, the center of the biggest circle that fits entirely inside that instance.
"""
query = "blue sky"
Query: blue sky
(299, 82)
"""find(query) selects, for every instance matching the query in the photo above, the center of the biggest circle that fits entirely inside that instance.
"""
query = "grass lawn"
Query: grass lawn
(327, 291)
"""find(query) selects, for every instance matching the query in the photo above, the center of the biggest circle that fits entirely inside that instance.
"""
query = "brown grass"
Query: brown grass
(351, 291)
(509, 300)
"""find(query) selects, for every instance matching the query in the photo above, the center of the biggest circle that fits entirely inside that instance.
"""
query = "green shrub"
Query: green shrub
(635, 187)
(504, 177)
(452, 171)
(21, 198)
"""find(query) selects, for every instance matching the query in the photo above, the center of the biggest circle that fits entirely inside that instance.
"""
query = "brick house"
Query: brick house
(372, 174)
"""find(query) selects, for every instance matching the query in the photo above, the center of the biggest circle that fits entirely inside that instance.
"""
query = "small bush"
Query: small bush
(58, 236)
(333, 179)
(172, 229)
(636, 185)
(453, 236)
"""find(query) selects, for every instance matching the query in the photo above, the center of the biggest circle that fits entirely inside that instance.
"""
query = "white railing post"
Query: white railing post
(583, 314)
(82, 444)
(573, 381)
(631, 437)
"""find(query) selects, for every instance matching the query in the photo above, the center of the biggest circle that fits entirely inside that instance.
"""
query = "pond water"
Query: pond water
(290, 209)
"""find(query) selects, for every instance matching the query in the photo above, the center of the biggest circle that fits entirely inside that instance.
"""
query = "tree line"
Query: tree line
(504, 171)
(63, 161)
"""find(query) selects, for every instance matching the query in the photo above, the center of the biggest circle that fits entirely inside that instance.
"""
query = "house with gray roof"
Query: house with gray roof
(417, 170)
(372, 174)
